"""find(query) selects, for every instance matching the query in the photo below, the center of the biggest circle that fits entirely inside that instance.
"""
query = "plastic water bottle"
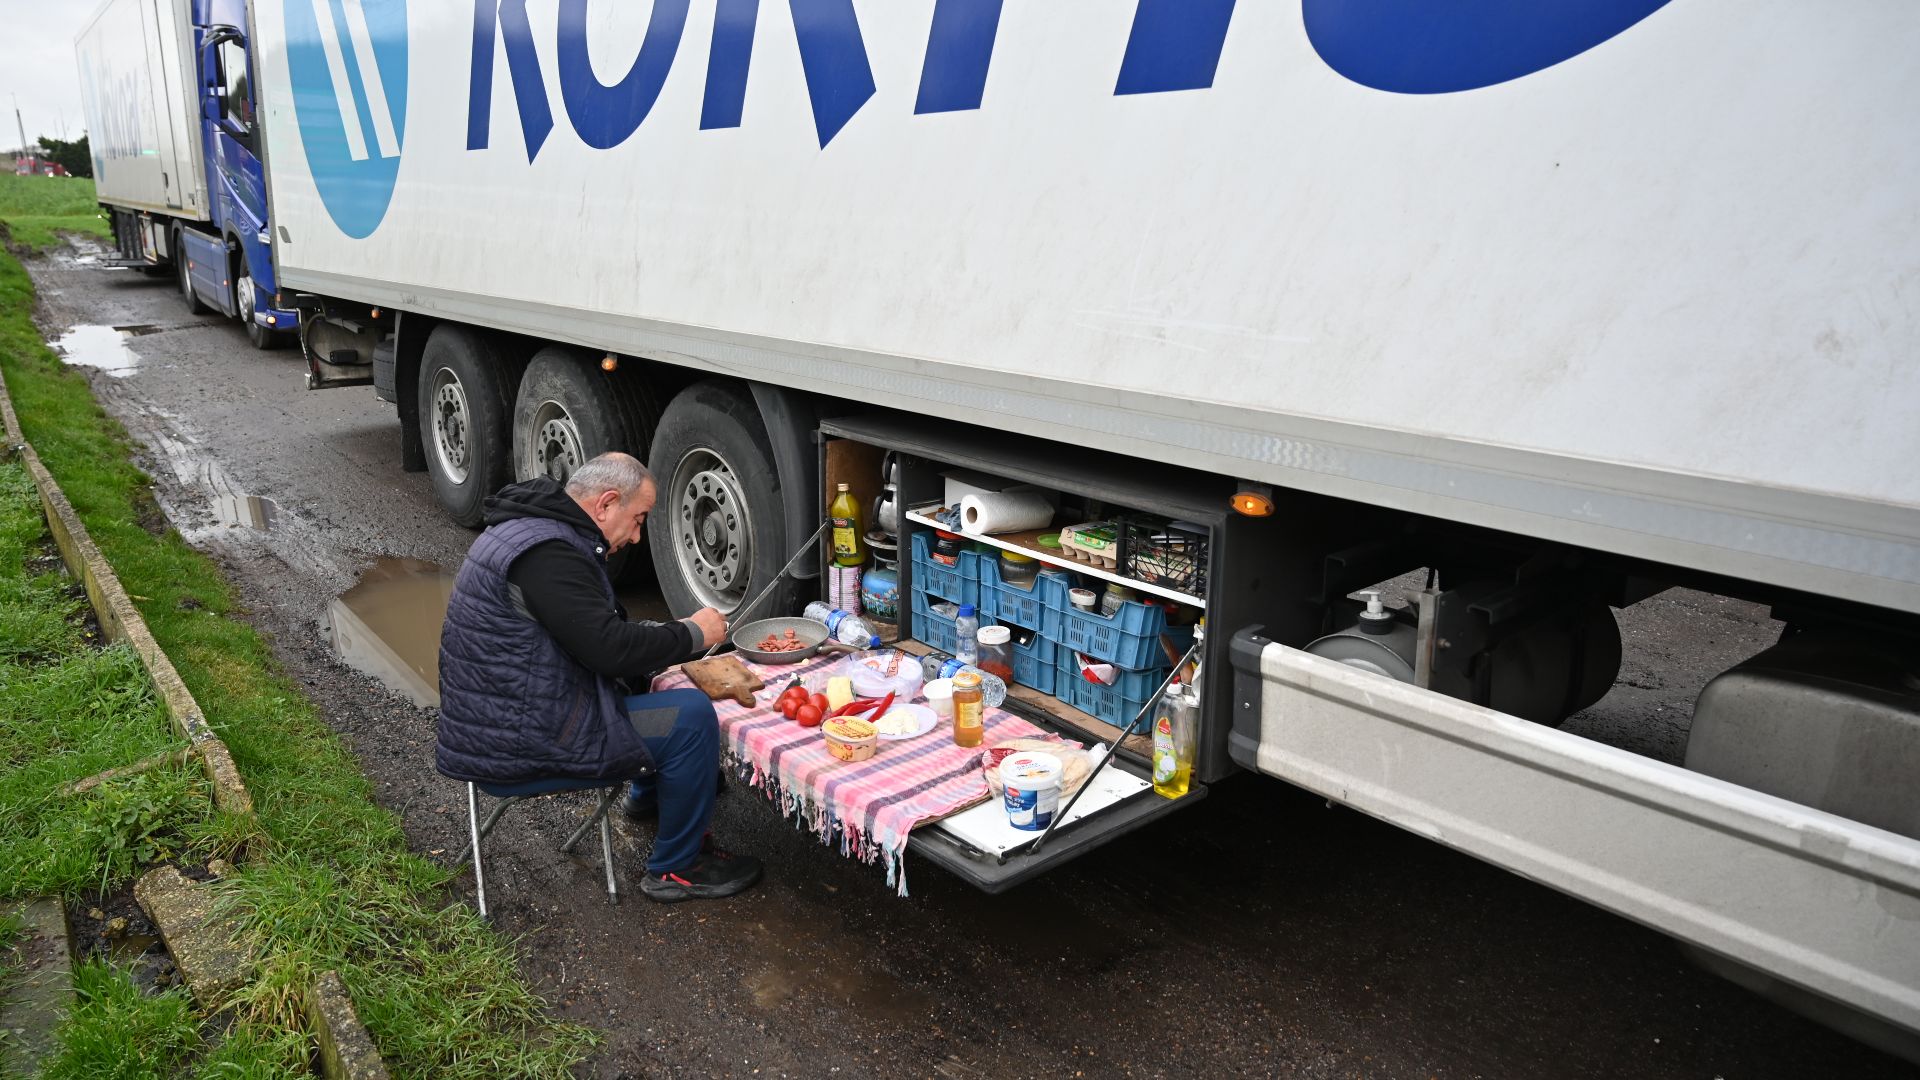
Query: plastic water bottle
(966, 626)
(938, 665)
(843, 627)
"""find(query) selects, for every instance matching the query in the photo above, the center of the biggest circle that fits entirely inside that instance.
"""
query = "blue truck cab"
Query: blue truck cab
(230, 268)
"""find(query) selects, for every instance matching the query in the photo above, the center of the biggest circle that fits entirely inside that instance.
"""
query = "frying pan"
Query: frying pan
(811, 635)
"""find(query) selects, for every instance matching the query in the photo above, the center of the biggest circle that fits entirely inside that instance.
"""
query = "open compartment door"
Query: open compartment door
(980, 846)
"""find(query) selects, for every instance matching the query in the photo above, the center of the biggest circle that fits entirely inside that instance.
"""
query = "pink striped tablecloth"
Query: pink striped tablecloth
(868, 806)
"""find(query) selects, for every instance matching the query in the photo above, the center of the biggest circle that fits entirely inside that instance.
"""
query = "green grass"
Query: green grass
(67, 711)
(37, 209)
(115, 1032)
(329, 883)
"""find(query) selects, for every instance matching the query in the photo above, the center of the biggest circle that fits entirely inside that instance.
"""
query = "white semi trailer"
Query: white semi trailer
(1562, 304)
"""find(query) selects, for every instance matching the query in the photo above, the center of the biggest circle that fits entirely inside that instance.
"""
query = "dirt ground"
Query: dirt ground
(1259, 933)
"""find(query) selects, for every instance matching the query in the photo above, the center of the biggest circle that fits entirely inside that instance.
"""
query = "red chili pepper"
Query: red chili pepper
(885, 702)
(854, 707)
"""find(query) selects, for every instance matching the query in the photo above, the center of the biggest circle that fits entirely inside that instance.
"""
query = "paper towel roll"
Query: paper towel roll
(1005, 511)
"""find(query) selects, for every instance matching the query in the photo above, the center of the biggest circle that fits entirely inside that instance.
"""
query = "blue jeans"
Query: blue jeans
(683, 735)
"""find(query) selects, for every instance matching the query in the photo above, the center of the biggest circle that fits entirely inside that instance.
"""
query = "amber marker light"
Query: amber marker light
(1252, 504)
(609, 362)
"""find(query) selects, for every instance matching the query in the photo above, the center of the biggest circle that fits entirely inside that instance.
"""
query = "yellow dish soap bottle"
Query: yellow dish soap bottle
(1173, 741)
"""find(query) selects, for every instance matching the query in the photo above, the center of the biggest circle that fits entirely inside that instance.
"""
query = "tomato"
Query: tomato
(795, 694)
(808, 716)
(789, 707)
(819, 701)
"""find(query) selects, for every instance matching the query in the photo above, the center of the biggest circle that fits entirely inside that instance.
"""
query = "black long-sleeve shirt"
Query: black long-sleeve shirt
(560, 588)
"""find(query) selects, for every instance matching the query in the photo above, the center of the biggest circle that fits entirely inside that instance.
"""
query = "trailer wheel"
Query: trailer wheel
(195, 305)
(569, 411)
(244, 299)
(466, 390)
(716, 531)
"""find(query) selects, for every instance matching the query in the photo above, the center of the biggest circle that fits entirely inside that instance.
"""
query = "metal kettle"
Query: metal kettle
(886, 511)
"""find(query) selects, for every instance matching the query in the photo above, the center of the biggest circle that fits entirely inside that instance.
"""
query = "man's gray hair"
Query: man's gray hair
(612, 471)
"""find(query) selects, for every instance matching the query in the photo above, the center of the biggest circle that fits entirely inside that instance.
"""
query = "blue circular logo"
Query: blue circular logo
(1424, 47)
(347, 60)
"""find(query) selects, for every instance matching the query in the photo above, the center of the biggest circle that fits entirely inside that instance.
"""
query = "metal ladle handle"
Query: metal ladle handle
(740, 613)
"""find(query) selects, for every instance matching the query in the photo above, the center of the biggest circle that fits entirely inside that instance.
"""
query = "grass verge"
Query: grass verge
(37, 209)
(330, 883)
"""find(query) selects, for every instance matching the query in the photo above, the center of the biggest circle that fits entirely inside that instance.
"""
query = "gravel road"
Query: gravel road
(1259, 933)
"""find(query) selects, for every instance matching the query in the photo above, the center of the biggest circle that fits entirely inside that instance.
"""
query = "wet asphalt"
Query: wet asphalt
(1259, 933)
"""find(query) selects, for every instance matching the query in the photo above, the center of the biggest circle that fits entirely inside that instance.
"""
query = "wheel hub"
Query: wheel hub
(711, 530)
(245, 287)
(450, 425)
(557, 450)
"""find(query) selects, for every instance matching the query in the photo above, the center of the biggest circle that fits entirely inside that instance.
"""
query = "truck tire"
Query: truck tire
(716, 530)
(195, 305)
(244, 297)
(466, 395)
(568, 411)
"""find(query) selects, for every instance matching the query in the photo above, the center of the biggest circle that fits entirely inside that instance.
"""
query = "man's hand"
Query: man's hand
(712, 624)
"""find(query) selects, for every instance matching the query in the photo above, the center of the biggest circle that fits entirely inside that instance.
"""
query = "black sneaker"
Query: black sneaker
(709, 878)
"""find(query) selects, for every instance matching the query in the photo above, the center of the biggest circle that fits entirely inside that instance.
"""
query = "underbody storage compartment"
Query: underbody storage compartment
(1096, 617)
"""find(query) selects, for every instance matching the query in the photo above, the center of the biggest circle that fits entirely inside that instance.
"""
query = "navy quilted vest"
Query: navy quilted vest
(514, 706)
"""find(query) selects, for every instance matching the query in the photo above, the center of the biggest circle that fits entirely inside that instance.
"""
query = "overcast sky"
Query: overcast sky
(36, 64)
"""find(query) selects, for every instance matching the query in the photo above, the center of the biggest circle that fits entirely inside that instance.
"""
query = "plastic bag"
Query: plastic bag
(1076, 764)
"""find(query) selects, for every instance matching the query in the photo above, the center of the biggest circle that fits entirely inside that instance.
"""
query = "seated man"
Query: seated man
(534, 653)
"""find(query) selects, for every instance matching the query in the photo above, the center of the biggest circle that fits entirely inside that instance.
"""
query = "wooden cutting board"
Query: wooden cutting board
(721, 677)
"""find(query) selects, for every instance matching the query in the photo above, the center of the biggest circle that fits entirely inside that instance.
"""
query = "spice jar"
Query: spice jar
(996, 651)
(969, 709)
(947, 547)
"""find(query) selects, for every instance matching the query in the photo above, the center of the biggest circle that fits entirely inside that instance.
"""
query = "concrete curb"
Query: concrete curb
(31, 1007)
(121, 621)
(347, 1048)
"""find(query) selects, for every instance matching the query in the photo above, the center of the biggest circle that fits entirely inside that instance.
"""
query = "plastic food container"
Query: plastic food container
(850, 739)
(1018, 570)
(940, 698)
(1082, 598)
(1032, 789)
(877, 674)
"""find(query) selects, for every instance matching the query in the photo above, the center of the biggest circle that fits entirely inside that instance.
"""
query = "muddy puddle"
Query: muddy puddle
(388, 626)
(103, 348)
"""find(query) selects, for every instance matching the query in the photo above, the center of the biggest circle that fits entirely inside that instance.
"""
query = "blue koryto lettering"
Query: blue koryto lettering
(1174, 45)
(523, 64)
(1399, 46)
(605, 115)
(953, 77)
(832, 54)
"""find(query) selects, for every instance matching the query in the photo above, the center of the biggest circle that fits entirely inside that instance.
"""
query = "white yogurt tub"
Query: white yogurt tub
(1032, 783)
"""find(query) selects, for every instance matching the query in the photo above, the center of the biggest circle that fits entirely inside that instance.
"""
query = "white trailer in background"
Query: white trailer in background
(1566, 305)
(136, 64)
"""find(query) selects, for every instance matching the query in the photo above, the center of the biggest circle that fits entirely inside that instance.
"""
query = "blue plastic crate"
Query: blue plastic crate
(1129, 638)
(1041, 606)
(931, 627)
(1132, 683)
(1033, 663)
(1110, 703)
(959, 583)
